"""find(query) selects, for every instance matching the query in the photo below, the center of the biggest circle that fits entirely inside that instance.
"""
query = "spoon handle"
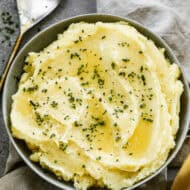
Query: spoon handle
(9, 62)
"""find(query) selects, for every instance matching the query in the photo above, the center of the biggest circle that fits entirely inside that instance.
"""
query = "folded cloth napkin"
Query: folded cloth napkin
(167, 18)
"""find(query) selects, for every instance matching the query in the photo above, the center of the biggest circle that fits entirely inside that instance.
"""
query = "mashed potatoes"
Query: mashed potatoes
(99, 106)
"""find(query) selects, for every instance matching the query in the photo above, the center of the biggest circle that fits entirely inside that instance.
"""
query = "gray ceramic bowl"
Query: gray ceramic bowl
(42, 40)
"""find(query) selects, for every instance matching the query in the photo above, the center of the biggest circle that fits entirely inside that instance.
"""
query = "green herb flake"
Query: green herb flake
(113, 65)
(63, 146)
(85, 83)
(38, 118)
(98, 158)
(125, 106)
(117, 138)
(148, 120)
(80, 69)
(101, 82)
(33, 104)
(143, 105)
(123, 44)
(143, 79)
(141, 69)
(77, 124)
(52, 135)
(31, 89)
(103, 37)
(44, 90)
(110, 98)
(54, 104)
(125, 59)
(66, 117)
(75, 55)
(115, 124)
(122, 74)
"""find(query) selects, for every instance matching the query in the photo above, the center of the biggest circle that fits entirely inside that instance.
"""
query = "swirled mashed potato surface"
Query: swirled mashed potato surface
(99, 106)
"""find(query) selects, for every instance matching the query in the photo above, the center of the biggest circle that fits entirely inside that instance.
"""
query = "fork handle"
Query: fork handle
(9, 62)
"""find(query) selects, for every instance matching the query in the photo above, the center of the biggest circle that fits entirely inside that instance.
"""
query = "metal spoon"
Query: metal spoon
(30, 13)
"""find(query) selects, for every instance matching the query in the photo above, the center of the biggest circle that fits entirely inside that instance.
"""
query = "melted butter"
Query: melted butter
(138, 143)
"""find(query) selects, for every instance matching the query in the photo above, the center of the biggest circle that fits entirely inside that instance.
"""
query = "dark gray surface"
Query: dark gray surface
(5, 48)
(66, 9)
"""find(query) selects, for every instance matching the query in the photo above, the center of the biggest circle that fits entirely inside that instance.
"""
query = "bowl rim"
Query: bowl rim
(62, 184)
